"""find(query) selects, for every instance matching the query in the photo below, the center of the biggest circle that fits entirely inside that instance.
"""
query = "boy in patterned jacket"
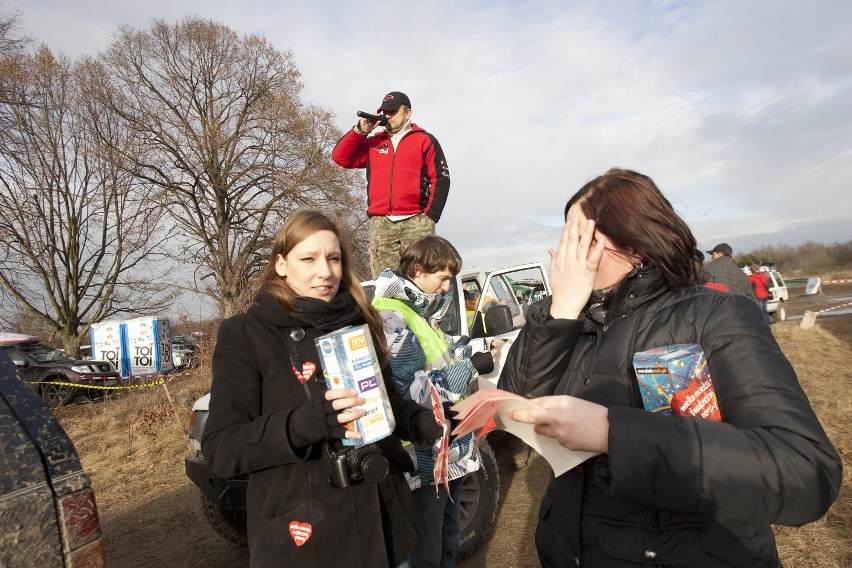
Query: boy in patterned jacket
(411, 303)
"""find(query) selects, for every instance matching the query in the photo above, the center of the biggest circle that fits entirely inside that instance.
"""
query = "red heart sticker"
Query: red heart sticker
(300, 532)
(307, 371)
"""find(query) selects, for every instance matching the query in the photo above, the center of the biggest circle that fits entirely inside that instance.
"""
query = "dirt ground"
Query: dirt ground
(151, 516)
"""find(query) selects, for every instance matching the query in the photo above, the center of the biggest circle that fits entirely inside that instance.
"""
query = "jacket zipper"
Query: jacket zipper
(390, 181)
(393, 165)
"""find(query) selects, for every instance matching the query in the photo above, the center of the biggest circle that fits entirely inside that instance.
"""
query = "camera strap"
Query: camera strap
(289, 343)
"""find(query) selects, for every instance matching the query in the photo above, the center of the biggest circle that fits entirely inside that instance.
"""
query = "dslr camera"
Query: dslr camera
(354, 464)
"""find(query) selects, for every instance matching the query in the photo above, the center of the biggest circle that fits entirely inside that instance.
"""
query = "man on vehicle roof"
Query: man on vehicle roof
(408, 180)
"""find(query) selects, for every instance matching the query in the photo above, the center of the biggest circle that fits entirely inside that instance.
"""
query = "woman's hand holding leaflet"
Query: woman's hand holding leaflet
(576, 423)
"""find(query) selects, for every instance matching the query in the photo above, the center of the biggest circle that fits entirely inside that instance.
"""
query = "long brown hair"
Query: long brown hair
(629, 208)
(298, 227)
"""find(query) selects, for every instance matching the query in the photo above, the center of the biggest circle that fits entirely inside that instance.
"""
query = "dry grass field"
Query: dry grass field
(822, 362)
(133, 446)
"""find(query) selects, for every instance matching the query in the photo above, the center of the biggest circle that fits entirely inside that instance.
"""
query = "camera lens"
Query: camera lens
(373, 467)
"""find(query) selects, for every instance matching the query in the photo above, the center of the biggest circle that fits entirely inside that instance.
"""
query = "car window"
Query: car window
(517, 289)
(16, 357)
(472, 292)
(499, 292)
(44, 354)
(451, 322)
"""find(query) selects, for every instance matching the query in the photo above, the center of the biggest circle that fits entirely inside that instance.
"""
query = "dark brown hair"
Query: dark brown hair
(298, 227)
(430, 254)
(629, 208)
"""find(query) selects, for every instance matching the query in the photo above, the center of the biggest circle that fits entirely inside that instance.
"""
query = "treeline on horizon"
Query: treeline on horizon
(810, 258)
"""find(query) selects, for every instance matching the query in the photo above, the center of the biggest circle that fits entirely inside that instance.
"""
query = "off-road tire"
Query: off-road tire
(55, 395)
(480, 499)
(780, 314)
(229, 524)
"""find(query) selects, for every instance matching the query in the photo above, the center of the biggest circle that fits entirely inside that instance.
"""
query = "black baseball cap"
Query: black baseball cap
(392, 101)
(724, 248)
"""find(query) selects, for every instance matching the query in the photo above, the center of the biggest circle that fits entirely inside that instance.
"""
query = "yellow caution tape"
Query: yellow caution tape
(162, 380)
(113, 387)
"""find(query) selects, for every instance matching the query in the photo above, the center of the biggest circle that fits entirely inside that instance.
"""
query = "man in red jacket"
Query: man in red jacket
(760, 281)
(407, 179)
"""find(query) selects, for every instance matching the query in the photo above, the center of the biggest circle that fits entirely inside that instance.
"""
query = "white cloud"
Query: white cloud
(739, 111)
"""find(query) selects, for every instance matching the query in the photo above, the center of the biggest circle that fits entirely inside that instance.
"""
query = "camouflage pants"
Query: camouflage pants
(388, 239)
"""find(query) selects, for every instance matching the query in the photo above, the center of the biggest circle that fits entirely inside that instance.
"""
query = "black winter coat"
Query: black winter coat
(676, 490)
(254, 392)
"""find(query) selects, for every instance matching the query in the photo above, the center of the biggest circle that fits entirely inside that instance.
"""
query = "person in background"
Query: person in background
(760, 283)
(272, 417)
(666, 490)
(722, 269)
(408, 180)
(411, 303)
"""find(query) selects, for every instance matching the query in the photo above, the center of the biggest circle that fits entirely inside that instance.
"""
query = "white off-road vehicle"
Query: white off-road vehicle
(486, 305)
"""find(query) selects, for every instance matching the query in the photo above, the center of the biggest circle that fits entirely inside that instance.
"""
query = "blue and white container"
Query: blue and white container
(349, 360)
(109, 343)
(137, 347)
(149, 344)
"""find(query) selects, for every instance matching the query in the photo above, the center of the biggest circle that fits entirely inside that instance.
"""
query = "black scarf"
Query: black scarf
(598, 305)
(309, 312)
(608, 305)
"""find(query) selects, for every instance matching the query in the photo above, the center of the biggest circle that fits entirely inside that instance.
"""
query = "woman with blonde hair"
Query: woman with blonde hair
(272, 417)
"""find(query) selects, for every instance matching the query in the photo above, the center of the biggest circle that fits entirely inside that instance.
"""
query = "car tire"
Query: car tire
(229, 524)
(479, 501)
(56, 395)
(780, 314)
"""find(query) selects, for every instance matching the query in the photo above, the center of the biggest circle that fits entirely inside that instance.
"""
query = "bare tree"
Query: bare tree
(841, 253)
(229, 143)
(355, 228)
(78, 235)
(12, 41)
(11, 37)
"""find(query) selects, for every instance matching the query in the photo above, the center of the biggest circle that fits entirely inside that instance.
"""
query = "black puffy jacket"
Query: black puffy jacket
(675, 490)
(254, 392)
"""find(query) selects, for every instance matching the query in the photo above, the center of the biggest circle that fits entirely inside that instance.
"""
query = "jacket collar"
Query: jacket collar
(640, 287)
(429, 306)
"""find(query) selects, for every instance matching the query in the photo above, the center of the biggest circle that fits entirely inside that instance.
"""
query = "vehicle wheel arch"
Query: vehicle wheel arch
(228, 524)
(53, 395)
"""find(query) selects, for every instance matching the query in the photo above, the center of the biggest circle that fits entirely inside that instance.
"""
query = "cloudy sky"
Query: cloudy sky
(740, 111)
